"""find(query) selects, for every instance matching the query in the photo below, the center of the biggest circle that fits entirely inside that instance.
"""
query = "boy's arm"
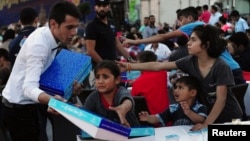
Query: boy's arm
(152, 119)
(195, 117)
(156, 38)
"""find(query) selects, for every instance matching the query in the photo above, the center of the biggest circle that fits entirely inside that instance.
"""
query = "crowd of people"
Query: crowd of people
(185, 70)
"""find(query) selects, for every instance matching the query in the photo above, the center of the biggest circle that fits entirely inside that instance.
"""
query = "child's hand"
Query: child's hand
(143, 116)
(77, 88)
(185, 107)
(122, 115)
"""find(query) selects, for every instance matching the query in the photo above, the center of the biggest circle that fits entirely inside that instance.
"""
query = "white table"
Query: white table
(182, 131)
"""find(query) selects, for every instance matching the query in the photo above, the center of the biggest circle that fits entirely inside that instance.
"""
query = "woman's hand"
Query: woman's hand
(122, 65)
(199, 126)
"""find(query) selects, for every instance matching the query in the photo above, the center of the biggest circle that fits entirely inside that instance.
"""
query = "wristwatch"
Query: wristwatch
(129, 59)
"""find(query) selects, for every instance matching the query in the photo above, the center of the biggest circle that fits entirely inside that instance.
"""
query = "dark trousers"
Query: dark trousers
(22, 122)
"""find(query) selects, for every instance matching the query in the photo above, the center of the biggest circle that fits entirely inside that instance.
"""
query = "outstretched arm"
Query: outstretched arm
(156, 38)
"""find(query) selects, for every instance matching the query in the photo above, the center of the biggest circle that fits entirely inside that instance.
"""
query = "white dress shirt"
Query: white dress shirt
(162, 51)
(33, 59)
(214, 18)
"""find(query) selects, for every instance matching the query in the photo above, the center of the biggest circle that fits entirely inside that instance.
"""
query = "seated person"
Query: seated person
(152, 85)
(110, 100)
(239, 48)
(161, 50)
(188, 110)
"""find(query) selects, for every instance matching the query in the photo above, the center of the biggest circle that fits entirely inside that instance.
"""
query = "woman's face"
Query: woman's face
(105, 81)
(194, 44)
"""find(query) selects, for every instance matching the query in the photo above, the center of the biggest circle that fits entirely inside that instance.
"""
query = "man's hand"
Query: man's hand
(51, 110)
(126, 42)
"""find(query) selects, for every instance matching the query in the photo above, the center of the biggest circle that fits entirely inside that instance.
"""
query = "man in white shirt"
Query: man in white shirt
(215, 15)
(22, 92)
(240, 25)
(161, 50)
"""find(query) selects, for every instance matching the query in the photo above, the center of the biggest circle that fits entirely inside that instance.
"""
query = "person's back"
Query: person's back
(152, 85)
(28, 18)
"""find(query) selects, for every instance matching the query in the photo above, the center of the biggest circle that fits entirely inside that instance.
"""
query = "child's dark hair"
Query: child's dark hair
(110, 65)
(209, 36)
(189, 81)
(193, 84)
(147, 56)
(189, 11)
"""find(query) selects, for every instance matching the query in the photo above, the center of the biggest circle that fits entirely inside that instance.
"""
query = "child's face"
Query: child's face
(185, 20)
(182, 93)
(194, 45)
(105, 81)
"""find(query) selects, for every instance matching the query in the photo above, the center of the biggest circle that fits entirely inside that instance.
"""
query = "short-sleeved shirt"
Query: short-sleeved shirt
(95, 105)
(188, 28)
(175, 114)
(220, 74)
(104, 36)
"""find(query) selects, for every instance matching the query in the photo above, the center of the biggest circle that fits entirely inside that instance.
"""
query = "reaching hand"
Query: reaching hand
(126, 42)
(122, 114)
(143, 116)
(122, 65)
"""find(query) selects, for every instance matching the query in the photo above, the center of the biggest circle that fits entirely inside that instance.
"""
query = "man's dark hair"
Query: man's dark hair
(205, 7)
(28, 15)
(215, 8)
(235, 13)
(59, 11)
(147, 56)
(189, 11)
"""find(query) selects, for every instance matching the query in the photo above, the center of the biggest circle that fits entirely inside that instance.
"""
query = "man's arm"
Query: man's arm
(156, 38)
(90, 45)
(121, 49)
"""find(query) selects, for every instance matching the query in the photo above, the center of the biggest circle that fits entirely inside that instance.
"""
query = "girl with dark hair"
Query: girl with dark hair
(204, 64)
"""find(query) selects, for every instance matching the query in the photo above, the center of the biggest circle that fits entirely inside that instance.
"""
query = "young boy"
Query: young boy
(187, 110)
(109, 99)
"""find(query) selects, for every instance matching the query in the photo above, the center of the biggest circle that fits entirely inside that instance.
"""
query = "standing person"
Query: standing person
(109, 99)
(22, 93)
(204, 64)
(205, 16)
(28, 18)
(101, 40)
(239, 24)
(145, 24)
(215, 15)
(188, 110)
(151, 28)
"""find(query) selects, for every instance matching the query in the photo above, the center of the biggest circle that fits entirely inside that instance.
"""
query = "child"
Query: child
(187, 110)
(109, 99)
(152, 85)
(203, 63)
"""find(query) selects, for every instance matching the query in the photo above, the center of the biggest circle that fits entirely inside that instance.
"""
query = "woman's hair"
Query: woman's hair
(209, 36)
(110, 65)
